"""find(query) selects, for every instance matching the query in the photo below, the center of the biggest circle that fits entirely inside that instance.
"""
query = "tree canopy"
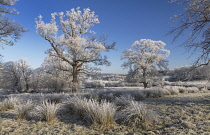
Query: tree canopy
(72, 41)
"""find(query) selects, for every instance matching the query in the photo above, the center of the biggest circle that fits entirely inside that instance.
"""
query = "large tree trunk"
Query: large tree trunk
(144, 78)
(145, 84)
(17, 86)
(27, 85)
(75, 79)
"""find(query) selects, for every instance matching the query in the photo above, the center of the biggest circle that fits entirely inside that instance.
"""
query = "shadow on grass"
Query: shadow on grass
(180, 101)
(8, 115)
(69, 118)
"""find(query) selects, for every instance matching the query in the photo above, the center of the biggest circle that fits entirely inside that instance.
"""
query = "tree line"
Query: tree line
(73, 45)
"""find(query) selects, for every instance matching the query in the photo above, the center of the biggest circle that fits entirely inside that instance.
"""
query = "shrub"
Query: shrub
(8, 103)
(137, 115)
(47, 111)
(100, 113)
(23, 109)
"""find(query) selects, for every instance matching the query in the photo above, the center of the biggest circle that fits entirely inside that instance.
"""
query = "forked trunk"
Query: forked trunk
(27, 85)
(145, 84)
(144, 78)
(75, 80)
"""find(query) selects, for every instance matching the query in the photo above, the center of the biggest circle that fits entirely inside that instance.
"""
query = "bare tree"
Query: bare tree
(75, 45)
(10, 31)
(195, 21)
(145, 58)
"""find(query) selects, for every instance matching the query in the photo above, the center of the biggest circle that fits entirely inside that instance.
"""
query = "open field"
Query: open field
(181, 113)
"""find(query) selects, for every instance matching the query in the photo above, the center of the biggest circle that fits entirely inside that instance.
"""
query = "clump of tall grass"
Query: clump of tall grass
(123, 101)
(154, 92)
(92, 95)
(173, 90)
(137, 115)
(76, 105)
(47, 111)
(23, 109)
(91, 110)
(9, 103)
(182, 89)
(138, 95)
(100, 113)
(192, 90)
(109, 96)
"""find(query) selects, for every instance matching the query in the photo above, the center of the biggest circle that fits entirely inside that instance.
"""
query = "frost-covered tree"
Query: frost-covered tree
(58, 73)
(11, 76)
(10, 31)
(187, 73)
(195, 22)
(38, 78)
(72, 40)
(145, 57)
(26, 72)
(8, 2)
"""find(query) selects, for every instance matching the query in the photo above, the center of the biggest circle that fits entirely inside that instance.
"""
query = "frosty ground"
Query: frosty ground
(180, 110)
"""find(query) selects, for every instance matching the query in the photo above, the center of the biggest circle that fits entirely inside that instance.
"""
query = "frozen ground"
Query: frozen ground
(185, 113)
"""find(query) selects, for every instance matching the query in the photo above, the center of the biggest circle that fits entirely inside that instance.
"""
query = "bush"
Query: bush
(100, 113)
(8, 103)
(47, 111)
(23, 109)
(137, 115)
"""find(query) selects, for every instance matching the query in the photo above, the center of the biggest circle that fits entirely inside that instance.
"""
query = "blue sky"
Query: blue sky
(124, 21)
